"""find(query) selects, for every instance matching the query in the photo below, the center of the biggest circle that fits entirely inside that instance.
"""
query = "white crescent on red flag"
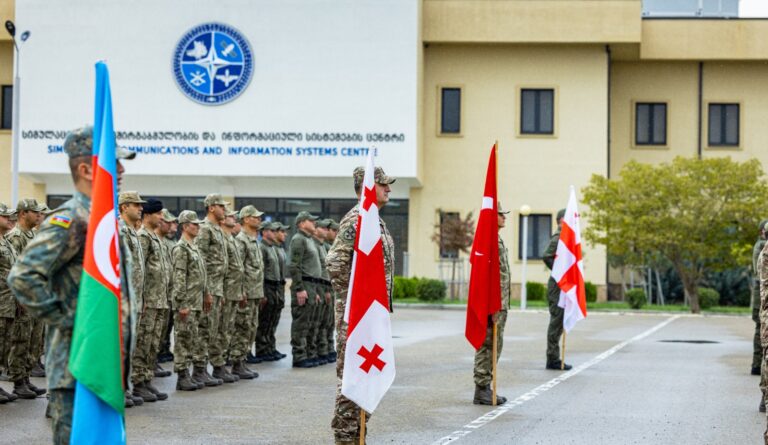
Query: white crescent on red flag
(568, 269)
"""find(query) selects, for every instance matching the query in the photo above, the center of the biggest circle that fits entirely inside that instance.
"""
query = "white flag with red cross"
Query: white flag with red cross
(568, 270)
(369, 361)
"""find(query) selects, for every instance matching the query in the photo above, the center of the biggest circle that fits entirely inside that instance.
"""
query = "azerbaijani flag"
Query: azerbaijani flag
(96, 355)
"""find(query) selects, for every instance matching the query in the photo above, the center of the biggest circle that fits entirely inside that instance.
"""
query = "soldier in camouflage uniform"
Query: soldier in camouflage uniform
(306, 272)
(483, 371)
(167, 234)
(8, 307)
(21, 356)
(757, 350)
(188, 291)
(46, 278)
(155, 298)
(247, 316)
(556, 313)
(330, 320)
(274, 292)
(213, 247)
(762, 271)
(346, 417)
(326, 309)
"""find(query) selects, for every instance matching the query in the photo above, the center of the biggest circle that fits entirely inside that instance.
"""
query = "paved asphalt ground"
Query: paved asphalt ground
(637, 379)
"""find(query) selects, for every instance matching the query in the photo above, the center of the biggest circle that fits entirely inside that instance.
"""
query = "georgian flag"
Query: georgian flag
(568, 270)
(369, 361)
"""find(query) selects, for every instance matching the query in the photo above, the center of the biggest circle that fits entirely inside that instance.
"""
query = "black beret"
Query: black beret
(152, 206)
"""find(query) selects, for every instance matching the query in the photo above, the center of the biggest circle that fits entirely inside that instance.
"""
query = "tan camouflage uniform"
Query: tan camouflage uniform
(345, 423)
(21, 351)
(8, 306)
(247, 318)
(757, 350)
(131, 239)
(188, 288)
(213, 247)
(233, 294)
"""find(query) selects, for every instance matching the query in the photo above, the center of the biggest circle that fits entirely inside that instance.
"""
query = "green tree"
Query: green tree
(454, 235)
(699, 215)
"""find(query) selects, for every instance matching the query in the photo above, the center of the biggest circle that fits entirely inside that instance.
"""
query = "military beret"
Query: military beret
(379, 177)
(215, 199)
(152, 206)
(189, 217)
(168, 216)
(130, 198)
(79, 142)
(249, 210)
(29, 204)
(6, 211)
(303, 216)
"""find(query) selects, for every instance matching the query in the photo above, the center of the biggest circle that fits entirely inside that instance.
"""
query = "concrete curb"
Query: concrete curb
(462, 307)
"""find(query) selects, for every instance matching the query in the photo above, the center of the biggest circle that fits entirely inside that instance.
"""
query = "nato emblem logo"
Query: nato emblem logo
(213, 63)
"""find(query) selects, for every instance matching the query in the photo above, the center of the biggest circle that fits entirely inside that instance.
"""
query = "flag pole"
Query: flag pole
(562, 360)
(362, 426)
(493, 364)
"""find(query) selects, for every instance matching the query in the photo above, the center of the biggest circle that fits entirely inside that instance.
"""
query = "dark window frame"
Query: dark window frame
(537, 124)
(723, 124)
(650, 131)
(533, 231)
(450, 131)
(6, 122)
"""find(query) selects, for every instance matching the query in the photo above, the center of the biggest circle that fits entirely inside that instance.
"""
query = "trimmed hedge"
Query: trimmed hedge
(636, 298)
(535, 291)
(708, 297)
(405, 288)
(424, 289)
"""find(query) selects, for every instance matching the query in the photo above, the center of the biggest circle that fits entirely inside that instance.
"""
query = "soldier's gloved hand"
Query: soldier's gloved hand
(243, 302)
(208, 303)
(328, 297)
(183, 314)
(301, 297)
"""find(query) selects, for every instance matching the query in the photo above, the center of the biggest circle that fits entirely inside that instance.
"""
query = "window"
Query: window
(539, 232)
(537, 111)
(7, 117)
(450, 110)
(650, 124)
(724, 125)
(447, 217)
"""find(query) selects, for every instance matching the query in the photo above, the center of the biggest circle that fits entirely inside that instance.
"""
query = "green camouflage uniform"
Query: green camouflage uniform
(213, 247)
(165, 343)
(321, 320)
(330, 314)
(306, 272)
(155, 298)
(483, 364)
(46, 279)
(247, 318)
(757, 350)
(8, 307)
(188, 288)
(762, 270)
(555, 330)
(131, 240)
(346, 416)
(233, 293)
(274, 292)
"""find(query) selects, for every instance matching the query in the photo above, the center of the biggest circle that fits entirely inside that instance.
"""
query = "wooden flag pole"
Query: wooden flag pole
(562, 359)
(493, 365)
(362, 426)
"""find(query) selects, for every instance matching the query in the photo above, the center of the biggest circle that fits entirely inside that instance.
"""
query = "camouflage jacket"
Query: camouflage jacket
(253, 265)
(235, 277)
(156, 270)
(553, 291)
(168, 245)
(339, 258)
(213, 247)
(7, 258)
(305, 260)
(506, 288)
(323, 251)
(46, 280)
(19, 238)
(758, 247)
(271, 260)
(762, 273)
(132, 244)
(189, 277)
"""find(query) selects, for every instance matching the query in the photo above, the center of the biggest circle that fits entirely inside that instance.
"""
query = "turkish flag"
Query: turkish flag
(369, 361)
(485, 278)
(568, 269)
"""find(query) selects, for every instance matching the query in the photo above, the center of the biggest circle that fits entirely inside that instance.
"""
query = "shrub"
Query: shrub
(430, 290)
(635, 298)
(405, 288)
(591, 291)
(535, 291)
(708, 297)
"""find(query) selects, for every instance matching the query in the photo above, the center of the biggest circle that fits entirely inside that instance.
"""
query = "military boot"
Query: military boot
(38, 370)
(185, 382)
(216, 380)
(250, 358)
(241, 371)
(155, 391)
(137, 401)
(140, 390)
(38, 391)
(128, 403)
(160, 372)
(761, 408)
(21, 389)
(231, 374)
(219, 372)
(200, 375)
(7, 395)
(484, 396)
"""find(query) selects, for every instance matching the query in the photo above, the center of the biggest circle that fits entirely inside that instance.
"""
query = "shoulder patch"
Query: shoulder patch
(349, 234)
(61, 221)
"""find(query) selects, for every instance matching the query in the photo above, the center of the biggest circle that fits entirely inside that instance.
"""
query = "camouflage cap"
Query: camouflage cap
(277, 225)
(215, 199)
(500, 209)
(560, 214)
(6, 211)
(249, 210)
(379, 177)
(46, 210)
(129, 198)
(189, 217)
(334, 225)
(232, 213)
(29, 205)
(168, 216)
(303, 216)
(79, 142)
(324, 223)
(269, 225)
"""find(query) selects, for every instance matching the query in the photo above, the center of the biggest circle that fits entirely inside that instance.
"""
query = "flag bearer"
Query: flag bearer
(555, 330)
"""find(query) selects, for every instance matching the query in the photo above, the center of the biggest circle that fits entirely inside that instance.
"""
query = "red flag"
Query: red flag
(485, 278)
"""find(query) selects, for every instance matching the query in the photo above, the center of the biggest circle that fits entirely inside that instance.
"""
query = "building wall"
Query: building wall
(532, 170)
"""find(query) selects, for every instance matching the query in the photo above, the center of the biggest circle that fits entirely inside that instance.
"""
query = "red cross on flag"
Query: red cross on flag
(568, 270)
(369, 362)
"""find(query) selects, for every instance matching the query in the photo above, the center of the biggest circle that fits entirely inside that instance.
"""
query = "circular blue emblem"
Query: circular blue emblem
(213, 63)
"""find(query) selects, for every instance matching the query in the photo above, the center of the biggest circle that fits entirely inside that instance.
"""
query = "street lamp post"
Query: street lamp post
(525, 210)
(15, 130)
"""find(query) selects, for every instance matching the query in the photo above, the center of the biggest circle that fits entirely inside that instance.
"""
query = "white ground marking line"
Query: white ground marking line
(530, 395)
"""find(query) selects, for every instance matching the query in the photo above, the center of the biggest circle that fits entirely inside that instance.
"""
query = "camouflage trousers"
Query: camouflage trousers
(346, 414)
(757, 348)
(554, 331)
(18, 354)
(764, 385)
(6, 326)
(185, 340)
(148, 337)
(218, 348)
(303, 340)
(37, 342)
(483, 357)
(206, 332)
(165, 343)
(246, 320)
(269, 317)
(60, 405)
